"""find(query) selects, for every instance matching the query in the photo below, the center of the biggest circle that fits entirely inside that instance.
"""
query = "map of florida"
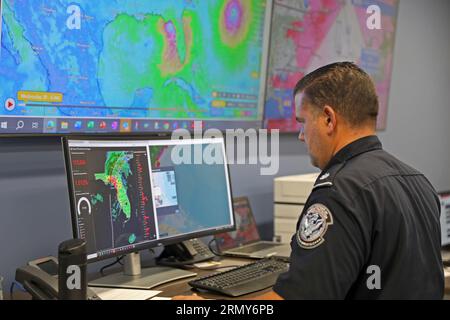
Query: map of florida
(117, 170)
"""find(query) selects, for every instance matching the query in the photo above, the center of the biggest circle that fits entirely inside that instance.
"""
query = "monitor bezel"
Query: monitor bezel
(151, 243)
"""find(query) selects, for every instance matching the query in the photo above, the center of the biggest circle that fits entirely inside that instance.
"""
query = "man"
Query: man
(370, 228)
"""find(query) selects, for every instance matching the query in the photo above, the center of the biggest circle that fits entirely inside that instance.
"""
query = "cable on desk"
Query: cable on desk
(144, 266)
(213, 250)
(118, 260)
(15, 284)
(11, 290)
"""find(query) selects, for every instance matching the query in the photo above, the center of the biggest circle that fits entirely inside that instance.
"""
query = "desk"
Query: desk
(181, 287)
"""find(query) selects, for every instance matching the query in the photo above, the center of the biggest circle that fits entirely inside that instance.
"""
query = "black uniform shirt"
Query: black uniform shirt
(369, 230)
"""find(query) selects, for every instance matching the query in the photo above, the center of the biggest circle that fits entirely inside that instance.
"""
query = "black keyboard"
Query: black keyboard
(245, 279)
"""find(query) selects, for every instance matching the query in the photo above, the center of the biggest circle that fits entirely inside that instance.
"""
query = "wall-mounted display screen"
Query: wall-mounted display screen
(131, 65)
(308, 34)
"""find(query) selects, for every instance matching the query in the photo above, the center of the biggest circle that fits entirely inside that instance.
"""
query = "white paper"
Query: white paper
(124, 294)
(207, 264)
(161, 298)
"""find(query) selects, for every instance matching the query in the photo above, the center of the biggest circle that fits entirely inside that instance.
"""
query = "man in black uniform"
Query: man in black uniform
(370, 228)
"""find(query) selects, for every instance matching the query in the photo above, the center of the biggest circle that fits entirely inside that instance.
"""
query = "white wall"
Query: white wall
(418, 127)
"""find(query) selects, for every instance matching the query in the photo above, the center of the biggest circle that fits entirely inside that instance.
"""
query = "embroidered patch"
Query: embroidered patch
(313, 226)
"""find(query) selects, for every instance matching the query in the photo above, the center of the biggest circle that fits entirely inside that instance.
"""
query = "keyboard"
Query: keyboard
(244, 279)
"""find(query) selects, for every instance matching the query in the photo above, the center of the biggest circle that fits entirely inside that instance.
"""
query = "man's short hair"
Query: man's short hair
(346, 88)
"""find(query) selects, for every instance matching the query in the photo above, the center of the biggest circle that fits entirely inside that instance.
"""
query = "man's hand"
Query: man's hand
(191, 297)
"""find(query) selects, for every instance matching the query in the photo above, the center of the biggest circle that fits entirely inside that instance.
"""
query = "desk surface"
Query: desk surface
(181, 287)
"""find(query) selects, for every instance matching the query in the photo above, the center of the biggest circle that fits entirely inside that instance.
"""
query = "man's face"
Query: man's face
(312, 131)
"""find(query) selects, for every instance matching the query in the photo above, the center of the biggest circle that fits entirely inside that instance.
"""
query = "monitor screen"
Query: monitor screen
(131, 65)
(128, 195)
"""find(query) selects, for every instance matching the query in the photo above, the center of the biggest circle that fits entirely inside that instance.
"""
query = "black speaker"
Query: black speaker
(72, 283)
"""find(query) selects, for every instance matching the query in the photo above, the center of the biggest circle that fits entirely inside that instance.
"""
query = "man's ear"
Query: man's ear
(330, 119)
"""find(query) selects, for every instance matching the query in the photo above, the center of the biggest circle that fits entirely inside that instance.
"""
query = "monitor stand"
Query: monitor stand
(134, 277)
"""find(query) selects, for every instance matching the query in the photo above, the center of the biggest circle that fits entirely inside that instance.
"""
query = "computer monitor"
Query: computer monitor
(128, 194)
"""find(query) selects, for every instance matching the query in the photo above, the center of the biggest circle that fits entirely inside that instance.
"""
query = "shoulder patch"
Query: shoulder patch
(313, 226)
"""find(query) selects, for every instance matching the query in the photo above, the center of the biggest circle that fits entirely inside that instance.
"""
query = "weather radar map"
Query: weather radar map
(308, 34)
(116, 174)
(113, 198)
(171, 59)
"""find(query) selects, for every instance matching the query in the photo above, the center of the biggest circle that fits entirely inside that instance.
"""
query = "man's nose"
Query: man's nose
(301, 136)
